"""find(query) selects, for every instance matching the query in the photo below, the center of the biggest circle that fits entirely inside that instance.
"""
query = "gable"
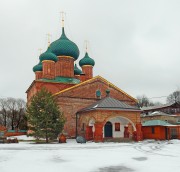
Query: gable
(87, 90)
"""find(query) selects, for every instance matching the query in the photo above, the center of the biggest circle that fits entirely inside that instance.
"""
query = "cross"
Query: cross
(62, 17)
(49, 37)
(86, 45)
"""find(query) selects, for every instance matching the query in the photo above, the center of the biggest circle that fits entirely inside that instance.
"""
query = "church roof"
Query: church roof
(60, 79)
(109, 103)
(48, 55)
(91, 80)
(65, 47)
(37, 67)
(86, 60)
(77, 71)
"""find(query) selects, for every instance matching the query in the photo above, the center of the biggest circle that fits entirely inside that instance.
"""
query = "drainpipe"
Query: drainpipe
(76, 125)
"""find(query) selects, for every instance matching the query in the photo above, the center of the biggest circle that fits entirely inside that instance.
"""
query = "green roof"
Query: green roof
(155, 123)
(48, 55)
(86, 60)
(62, 80)
(77, 71)
(65, 47)
(37, 67)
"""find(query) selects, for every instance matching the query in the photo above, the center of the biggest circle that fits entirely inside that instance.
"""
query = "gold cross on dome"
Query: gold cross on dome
(86, 45)
(62, 18)
(49, 38)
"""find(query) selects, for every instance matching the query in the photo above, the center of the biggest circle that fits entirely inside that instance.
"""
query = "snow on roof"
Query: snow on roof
(160, 106)
(156, 123)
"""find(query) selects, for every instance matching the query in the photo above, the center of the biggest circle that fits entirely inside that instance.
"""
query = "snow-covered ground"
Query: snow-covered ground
(145, 156)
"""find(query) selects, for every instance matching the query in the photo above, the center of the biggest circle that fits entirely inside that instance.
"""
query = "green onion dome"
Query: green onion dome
(86, 60)
(77, 71)
(64, 47)
(38, 67)
(48, 55)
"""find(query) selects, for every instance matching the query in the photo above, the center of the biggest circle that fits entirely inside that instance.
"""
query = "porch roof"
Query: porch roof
(110, 103)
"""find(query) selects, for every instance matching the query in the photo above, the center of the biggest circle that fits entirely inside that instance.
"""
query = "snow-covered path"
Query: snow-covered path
(146, 156)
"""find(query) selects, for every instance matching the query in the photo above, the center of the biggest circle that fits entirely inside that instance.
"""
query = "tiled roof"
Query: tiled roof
(110, 103)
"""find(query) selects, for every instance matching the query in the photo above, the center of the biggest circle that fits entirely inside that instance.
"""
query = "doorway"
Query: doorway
(108, 129)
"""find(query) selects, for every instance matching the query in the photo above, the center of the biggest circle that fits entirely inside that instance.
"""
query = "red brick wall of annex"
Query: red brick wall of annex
(69, 107)
(101, 116)
(80, 97)
(9, 134)
(159, 132)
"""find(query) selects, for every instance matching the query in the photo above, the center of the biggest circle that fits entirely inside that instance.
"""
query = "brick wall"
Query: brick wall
(9, 134)
(69, 107)
(159, 132)
(64, 67)
(48, 69)
(80, 97)
(52, 87)
(102, 116)
(88, 71)
(89, 91)
(38, 75)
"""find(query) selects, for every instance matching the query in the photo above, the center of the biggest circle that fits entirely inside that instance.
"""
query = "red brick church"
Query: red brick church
(93, 107)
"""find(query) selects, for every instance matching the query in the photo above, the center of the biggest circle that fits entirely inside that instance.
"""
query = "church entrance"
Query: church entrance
(108, 129)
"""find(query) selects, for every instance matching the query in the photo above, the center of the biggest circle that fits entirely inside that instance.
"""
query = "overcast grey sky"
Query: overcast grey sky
(135, 43)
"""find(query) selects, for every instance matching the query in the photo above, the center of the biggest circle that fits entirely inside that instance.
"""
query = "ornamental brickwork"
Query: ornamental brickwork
(88, 71)
(101, 117)
(73, 99)
(48, 69)
(64, 67)
(38, 75)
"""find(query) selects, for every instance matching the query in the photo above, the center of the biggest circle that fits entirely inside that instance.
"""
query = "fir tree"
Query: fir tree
(45, 120)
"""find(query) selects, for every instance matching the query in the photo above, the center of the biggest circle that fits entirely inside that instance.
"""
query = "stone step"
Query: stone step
(119, 140)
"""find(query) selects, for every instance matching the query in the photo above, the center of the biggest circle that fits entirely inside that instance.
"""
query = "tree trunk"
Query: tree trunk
(47, 137)
(19, 119)
(12, 125)
(12, 120)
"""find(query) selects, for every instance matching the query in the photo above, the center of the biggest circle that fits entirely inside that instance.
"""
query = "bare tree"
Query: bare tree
(174, 97)
(12, 112)
(3, 112)
(143, 101)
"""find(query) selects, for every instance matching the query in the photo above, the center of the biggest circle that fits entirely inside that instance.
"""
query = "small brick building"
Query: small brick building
(75, 90)
(160, 130)
(161, 122)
